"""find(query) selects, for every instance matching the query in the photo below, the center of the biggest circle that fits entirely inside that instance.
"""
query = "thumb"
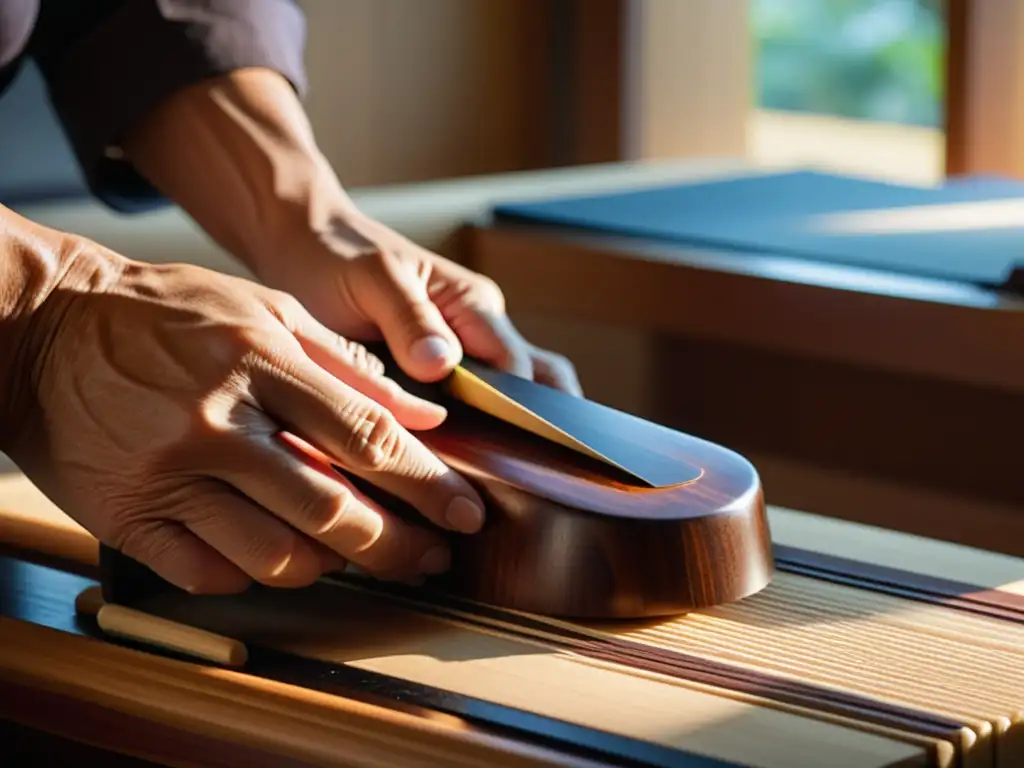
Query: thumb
(394, 297)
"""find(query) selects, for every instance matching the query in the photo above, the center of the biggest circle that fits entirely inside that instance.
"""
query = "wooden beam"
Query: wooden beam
(405, 91)
(655, 79)
(957, 19)
(985, 87)
(595, 84)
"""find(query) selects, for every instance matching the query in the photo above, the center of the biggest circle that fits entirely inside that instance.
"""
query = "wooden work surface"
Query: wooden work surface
(891, 400)
(800, 656)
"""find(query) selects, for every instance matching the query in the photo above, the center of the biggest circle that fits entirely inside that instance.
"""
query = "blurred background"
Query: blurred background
(864, 72)
(878, 60)
(412, 90)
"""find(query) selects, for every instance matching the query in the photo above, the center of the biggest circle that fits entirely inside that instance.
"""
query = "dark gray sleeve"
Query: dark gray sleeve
(104, 74)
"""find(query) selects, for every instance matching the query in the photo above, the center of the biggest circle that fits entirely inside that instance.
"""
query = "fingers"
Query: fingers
(351, 363)
(216, 541)
(281, 476)
(365, 439)
(394, 297)
(178, 556)
(260, 545)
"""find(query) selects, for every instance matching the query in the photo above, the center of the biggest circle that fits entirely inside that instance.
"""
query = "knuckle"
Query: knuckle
(284, 304)
(127, 516)
(268, 556)
(375, 442)
(230, 348)
(285, 308)
(221, 419)
(322, 513)
(360, 357)
(366, 360)
(490, 293)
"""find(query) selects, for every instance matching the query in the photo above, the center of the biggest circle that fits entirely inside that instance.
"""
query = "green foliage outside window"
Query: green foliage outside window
(868, 59)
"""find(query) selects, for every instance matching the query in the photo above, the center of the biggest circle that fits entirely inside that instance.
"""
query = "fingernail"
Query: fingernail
(435, 561)
(430, 349)
(463, 515)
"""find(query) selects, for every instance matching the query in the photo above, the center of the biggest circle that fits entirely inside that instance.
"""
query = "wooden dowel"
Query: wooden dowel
(153, 630)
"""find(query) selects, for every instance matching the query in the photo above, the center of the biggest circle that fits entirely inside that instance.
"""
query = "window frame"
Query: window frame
(984, 99)
(625, 99)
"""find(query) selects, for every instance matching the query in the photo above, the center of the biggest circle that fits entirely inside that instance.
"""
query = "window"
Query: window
(850, 85)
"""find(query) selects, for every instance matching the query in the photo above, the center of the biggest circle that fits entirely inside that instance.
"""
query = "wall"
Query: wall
(408, 91)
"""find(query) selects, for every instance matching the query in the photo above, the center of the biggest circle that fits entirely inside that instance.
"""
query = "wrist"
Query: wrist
(309, 216)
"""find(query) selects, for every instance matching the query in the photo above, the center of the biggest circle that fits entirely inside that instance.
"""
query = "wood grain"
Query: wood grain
(565, 537)
(470, 76)
(378, 637)
(191, 715)
(945, 679)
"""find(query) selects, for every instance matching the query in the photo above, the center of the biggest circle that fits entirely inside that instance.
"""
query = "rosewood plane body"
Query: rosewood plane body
(567, 536)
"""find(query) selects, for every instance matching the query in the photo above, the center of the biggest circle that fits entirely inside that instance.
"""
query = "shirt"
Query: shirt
(106, 62)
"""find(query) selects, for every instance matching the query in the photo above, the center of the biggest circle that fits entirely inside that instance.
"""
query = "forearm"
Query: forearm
(238, 155)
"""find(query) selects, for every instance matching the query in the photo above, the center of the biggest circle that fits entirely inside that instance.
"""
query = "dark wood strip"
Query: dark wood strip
(956, 77)
(895, 590)
(351, 682)
(953, 594)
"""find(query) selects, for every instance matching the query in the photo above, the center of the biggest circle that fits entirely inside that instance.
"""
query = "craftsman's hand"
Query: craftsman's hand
(238, 154)
(161, 393)
(364, 281)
